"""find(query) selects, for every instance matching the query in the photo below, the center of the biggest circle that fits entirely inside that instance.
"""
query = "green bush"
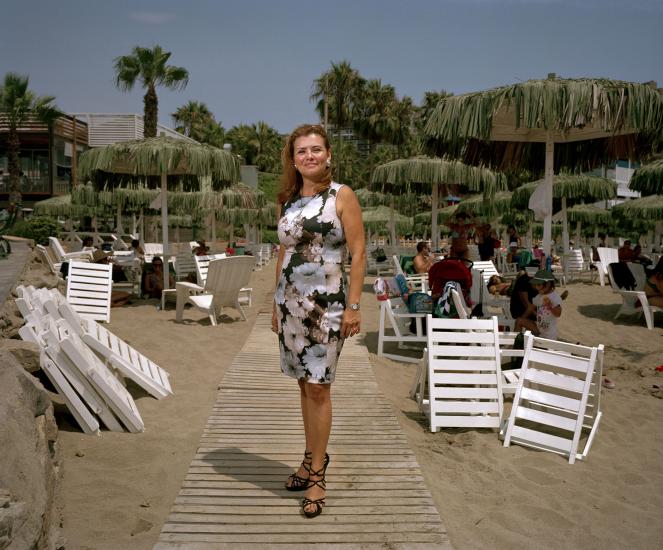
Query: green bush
(270, 236)
(39, 229)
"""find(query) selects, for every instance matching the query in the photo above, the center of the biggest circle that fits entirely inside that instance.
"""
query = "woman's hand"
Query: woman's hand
(351, 324)
(275, 322)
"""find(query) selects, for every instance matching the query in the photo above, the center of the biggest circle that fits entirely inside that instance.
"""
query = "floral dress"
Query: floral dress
(310, 294)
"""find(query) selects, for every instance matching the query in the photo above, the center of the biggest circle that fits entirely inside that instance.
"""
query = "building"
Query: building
(48, 157)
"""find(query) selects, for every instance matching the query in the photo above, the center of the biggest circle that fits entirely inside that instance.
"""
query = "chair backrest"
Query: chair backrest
(184, 264)
(639, 274)
(573, 261)
(202, 265)
(464, 374)
(119, 244)
(552, 395)
(55, 266)
(57, 248)
(459, 303)
(89, 289)
(226, 276)
(397, 265)
(607, 256)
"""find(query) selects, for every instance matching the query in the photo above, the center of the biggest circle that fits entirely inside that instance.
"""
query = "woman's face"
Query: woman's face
(157, 266)
(311, 156)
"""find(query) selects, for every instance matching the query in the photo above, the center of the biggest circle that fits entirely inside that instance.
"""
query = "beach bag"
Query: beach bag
(379, 255)
(381, 289)
(420, 302)
(623, 276)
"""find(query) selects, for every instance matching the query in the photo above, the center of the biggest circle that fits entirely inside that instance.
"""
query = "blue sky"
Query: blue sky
(253, 60)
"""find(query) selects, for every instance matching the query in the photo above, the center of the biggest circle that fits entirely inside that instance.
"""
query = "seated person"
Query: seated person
(88, 243)
(639, 257)
(625, 253)
(137, 249)
(497, 285)
(654, 286)
(230, 249)
(422, 261)
(118, 297)
(154, 279)
(202, 249)
(522, 295)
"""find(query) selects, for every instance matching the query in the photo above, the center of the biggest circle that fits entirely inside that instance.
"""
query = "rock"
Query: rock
(26, 353)
(30, 461)
(10, 319)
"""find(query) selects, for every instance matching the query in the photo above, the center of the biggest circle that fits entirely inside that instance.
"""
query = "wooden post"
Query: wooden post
(392, 222)
(164, 228)
(434, 232)
(548, 182)
(565, 227)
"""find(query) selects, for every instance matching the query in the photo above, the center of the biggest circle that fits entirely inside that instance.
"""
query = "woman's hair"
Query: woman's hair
(291, 179)
(157, 259)
(494, 280)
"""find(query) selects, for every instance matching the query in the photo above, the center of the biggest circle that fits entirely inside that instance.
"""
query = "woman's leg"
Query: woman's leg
(302, 473)
(319, 418)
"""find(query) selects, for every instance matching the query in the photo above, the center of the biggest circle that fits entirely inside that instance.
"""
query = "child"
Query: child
(548, 307)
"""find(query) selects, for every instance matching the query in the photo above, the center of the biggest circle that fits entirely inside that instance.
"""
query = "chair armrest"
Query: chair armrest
(189, 286)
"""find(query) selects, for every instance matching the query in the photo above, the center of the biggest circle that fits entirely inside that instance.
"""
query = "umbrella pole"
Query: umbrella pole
(547, 221)
(578, 224)
(164, 229)
(657, 233)
(565, 227)
(118, 226)
(434, 233)
(392, 223)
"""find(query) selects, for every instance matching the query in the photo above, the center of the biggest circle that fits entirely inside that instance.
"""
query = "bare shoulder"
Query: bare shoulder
(346, 198)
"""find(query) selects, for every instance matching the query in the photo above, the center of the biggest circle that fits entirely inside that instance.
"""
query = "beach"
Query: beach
(118, 488)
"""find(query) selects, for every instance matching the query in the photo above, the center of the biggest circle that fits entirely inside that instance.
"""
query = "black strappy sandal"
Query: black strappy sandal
(320, 502)
(297, 483)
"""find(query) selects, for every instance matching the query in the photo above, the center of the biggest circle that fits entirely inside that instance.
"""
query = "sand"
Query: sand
(119, 488)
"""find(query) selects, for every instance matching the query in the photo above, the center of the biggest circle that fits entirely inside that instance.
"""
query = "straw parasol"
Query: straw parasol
(648, 208)
(478, 205)
(576, 187)
(376, 219)
(555, 123)
(161, 156)
(426, 175)
(648, 180)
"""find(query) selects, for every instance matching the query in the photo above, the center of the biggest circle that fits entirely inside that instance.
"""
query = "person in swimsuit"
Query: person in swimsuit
(313, 313)
(654, 286)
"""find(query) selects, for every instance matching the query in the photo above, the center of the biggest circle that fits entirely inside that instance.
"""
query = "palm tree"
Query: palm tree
(17, 106)
(340, 87)
(399, 123)
(191, 118)
(149, 67)
(373, 103)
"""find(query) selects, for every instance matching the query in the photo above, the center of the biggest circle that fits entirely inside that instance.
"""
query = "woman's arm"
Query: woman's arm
(349, 211)
(279, 266)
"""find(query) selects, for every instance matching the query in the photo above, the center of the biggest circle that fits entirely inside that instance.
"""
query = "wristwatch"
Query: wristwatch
(354, 307)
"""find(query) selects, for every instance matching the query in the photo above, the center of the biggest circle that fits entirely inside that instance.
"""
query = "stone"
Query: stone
(26, 353)
(30, 461)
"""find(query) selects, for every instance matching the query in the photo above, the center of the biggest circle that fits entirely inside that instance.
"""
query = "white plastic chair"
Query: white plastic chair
(224, 282)
(62, 256)
(552, 395)
(394, 326)
(464, 378)
(576, 266)
(89, 288)
(606, 257)
(634, 302)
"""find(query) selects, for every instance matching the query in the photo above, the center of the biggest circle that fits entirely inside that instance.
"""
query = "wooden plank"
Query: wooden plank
(234, 496)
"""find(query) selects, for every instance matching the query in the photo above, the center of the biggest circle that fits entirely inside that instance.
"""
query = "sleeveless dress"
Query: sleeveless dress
(310, 294)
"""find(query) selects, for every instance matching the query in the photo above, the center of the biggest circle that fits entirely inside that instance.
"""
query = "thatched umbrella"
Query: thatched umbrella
(648, 208)
(61, 206)
(376, 219)
(426, 175)
(478, 205)
(568, 123)
(588, 214)
(576, 187)
(161, 156)
(648, 180)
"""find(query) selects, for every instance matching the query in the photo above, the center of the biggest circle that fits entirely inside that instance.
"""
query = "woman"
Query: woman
(154, 280)
(654, 285)
(312, 312)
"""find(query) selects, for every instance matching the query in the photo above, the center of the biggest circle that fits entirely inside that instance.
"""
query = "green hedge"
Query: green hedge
(38, 229)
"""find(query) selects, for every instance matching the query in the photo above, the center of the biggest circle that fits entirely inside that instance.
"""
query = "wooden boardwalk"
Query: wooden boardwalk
(233, 495)
(12, 266)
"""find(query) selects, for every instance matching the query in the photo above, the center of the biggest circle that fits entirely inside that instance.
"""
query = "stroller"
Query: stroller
(456, 270)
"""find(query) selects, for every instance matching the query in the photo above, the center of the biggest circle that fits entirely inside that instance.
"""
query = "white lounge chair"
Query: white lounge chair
(549, 408)
(464, 378)
(62, 256)
(50, 262)
(634, 302)
(606, 257)
(225, 279)
(395, 320)
(492, 304)
(89, 288)
(184, 265)
(575, 265)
